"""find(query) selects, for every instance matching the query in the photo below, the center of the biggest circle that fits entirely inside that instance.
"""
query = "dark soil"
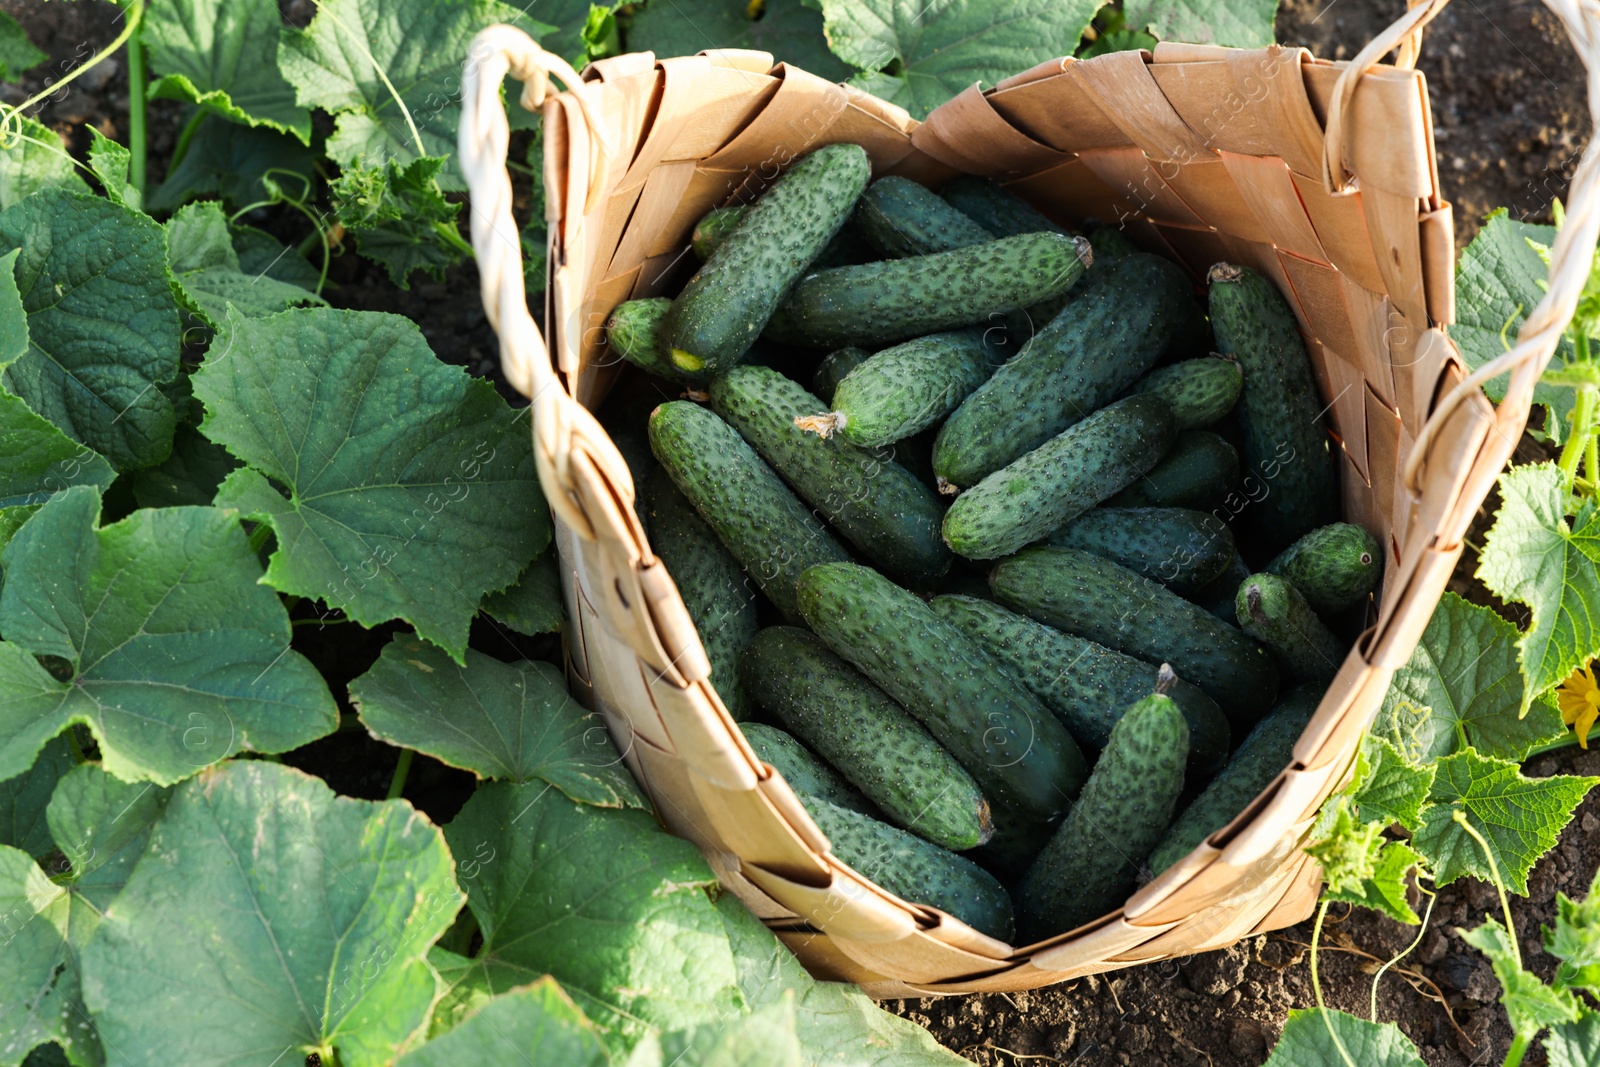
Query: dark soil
(1508, 104)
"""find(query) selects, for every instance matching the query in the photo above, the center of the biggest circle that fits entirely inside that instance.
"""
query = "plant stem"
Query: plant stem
(1577, 440)
(397, 784)
(1316, 984)
(181, 149)
(1433, 898)
(135, 16)
(1499, 886)
(1519, 1045)
(138, 150)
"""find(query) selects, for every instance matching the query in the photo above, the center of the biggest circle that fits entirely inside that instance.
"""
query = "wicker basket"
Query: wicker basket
(1319, 175)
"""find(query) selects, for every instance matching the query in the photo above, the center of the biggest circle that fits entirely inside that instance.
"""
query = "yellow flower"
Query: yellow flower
(1579, 697)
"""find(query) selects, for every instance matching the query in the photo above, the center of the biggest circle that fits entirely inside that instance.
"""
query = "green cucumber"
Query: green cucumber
(1217, 596)
(905, 389)
(1092, 597)
(1201, 391)
(1023, 759)
(898, 217)
(726, 305)
(720, 598)
(876, 504)
(1086, 685)
(1180, 548)
(714, 228)
(1093, 860)
(997, 210)
(915, 870)
(867, 737)
(800, 767)
(1060, 479)
(832, 370)
(1200, 472)
(896, 299)
(1260, 758)
(1280, 412)
(1333, 566)
(763, 525)
(634, 331)
(1102, 341)
(1273, 612)
(1111, 242)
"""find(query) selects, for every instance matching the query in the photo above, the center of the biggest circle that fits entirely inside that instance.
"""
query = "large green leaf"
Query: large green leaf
(498, 720)
(1534, 556)
(1235, 23)
(207, 270)
(400, 217)
(1385, 787)
(167, 646)
(188, 477)
(1575, 1044)
(788, 29)
(94, 816)
(937, 48)
(391, 71)
(1320, 1037)
(23, 800)
(536, 1024)
(35, 159)
(533, 605)
(221, 54)
(608, 902)
(764, 1038)
(1519, 817)
(1529, 1003)
(102, 323)
(411, 488)
(17, 54)
(273, 919)
(232, 161)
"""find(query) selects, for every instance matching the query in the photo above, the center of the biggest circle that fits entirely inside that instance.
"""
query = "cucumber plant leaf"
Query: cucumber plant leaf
(102, 323)
(1574, 1044)
(511, 721)
(1385, 889)
(535, 1023)
(1123, 40)
(110, 162)
(189, 477)
(158, 636)
(788, 29)
(937, 49)
(405, 489)
(1534, 556)
(1464, 671)
(400, 217)
(1309, 1041)
(261, 253)
(94, 816)
(1235, 23)
(23, 799)
(259, 862)
(232, 161)
(1386, 788)
(220, 55)
(533, 605)
(1519, 817)
(1575, 939)
(17, 54)
(1529, 1003)
(1345, 846)
(40, 459)
(208, 273)
(765, 1037)
(36, 159)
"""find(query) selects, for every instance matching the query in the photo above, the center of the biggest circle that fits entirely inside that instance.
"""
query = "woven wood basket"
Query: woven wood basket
(1320, 175)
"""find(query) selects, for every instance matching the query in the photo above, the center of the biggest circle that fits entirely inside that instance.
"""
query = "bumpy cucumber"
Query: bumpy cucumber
(800, 767)
(1280, 412)
(898, 217)
(1111, 242)
(767, 529)
(1180, 548)
(867, 737)
(723, 308)
(1333, 566)
(877, 505)
(832, 370)
(906, 389)
(916, 870)
(1101, 342)
(1092, 597)
(1126, 806)
(1002, 213)
(1273, 612)
(1200, 391)
(634, 331)
(720, 599)
(895, 299)
(1024, 760)
(1217, 595)
(1060, 479)
(1086, 685)
(1199, 472)
(714, 228)
(1260, 757)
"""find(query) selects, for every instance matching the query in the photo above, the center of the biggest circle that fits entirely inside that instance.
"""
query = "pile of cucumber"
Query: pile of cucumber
(965, 510)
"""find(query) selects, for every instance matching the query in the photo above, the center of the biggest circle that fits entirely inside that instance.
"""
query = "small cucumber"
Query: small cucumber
(1086, 685)
(634, 331)
(762, 524)
(832, 370)
(720, 598)
(1218, 595)
(1002, 213)
(1093, 859)
(877, 505)
(869, 738)
(1180, 548)
(1280, 412)
(898, 217)
(1273, 612)
(723, 308)
(905, 389)
(1101, 342)
(1333, 566)
(1201, 391)
(1024, 760)
(915, 870)
(800, 767)
(895, 299)
(1259, 759)
(714, 228)
(1060, 479)
(1092, 597)
(1200, 472)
